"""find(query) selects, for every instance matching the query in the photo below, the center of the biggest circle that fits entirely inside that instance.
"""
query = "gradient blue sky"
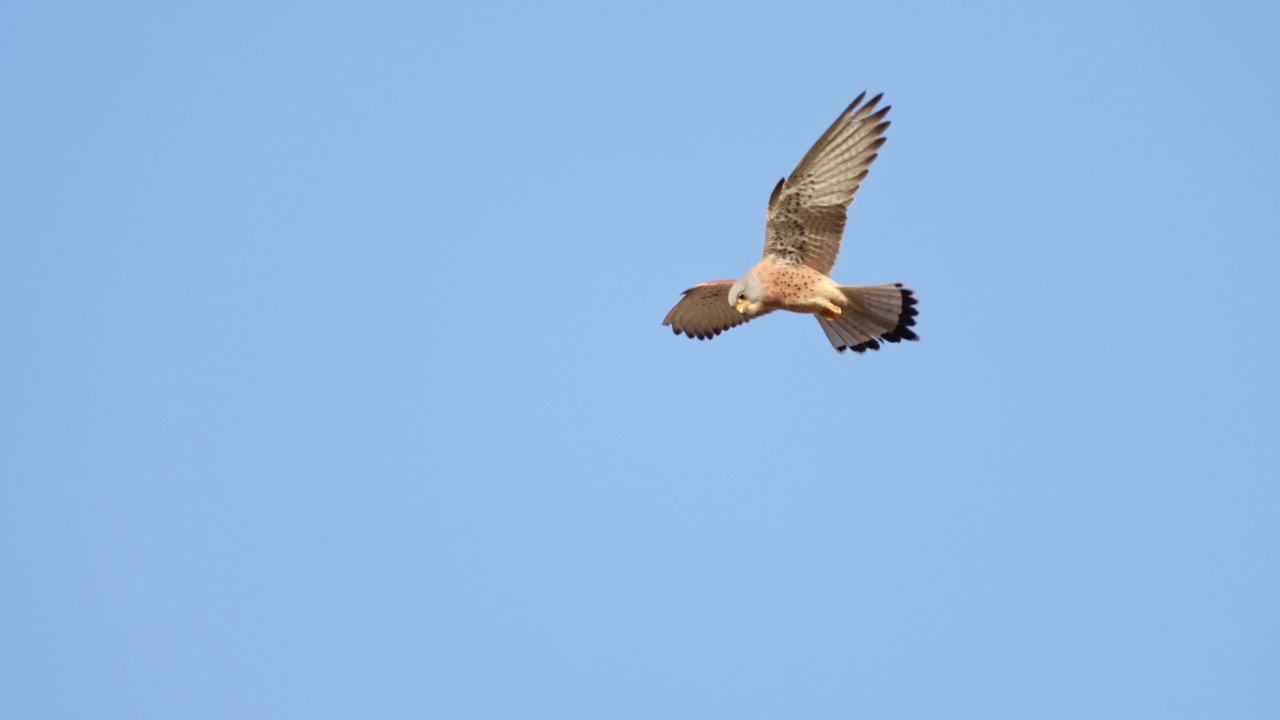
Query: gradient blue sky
(334, 384)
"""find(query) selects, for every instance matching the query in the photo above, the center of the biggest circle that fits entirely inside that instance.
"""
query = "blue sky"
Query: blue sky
(334, 383)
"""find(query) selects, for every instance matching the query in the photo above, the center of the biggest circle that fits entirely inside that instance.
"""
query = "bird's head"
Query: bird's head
(747, 295)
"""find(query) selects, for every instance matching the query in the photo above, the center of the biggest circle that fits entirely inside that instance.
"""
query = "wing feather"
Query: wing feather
(806, 216)
(704, 311)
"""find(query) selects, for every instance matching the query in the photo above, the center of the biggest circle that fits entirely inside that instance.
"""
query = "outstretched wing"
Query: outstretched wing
(704, 311)
(807, 211)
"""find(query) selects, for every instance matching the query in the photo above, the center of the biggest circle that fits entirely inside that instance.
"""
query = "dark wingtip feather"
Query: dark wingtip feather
(777, 190)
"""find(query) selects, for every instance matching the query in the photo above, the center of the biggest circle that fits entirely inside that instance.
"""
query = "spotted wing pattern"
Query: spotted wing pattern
(806, 215)
(704, 311)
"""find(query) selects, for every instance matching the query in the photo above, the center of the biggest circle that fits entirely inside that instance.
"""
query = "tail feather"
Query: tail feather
(870, 315)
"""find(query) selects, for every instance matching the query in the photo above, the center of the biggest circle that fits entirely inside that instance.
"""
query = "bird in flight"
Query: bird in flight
(803, 226)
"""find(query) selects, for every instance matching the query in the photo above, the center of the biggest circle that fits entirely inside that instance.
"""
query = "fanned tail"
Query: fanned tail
(870, 315)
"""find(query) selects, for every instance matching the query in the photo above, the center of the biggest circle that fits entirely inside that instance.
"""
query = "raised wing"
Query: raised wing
(704, 311)
(807, 211)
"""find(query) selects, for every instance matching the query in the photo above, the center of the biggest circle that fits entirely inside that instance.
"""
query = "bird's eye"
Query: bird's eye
(742, 296)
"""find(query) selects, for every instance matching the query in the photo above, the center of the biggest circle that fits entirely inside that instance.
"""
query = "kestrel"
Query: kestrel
(803, 226)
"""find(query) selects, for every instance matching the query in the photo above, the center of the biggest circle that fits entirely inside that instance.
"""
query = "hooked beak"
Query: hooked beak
(741, 307)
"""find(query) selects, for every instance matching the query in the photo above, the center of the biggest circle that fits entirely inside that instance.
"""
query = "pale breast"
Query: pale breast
(790, 287)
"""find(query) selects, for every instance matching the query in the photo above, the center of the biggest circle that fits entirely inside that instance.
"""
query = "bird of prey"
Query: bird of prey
(803, 226)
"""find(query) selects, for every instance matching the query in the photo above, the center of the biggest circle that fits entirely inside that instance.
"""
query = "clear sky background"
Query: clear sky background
(334, 383)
